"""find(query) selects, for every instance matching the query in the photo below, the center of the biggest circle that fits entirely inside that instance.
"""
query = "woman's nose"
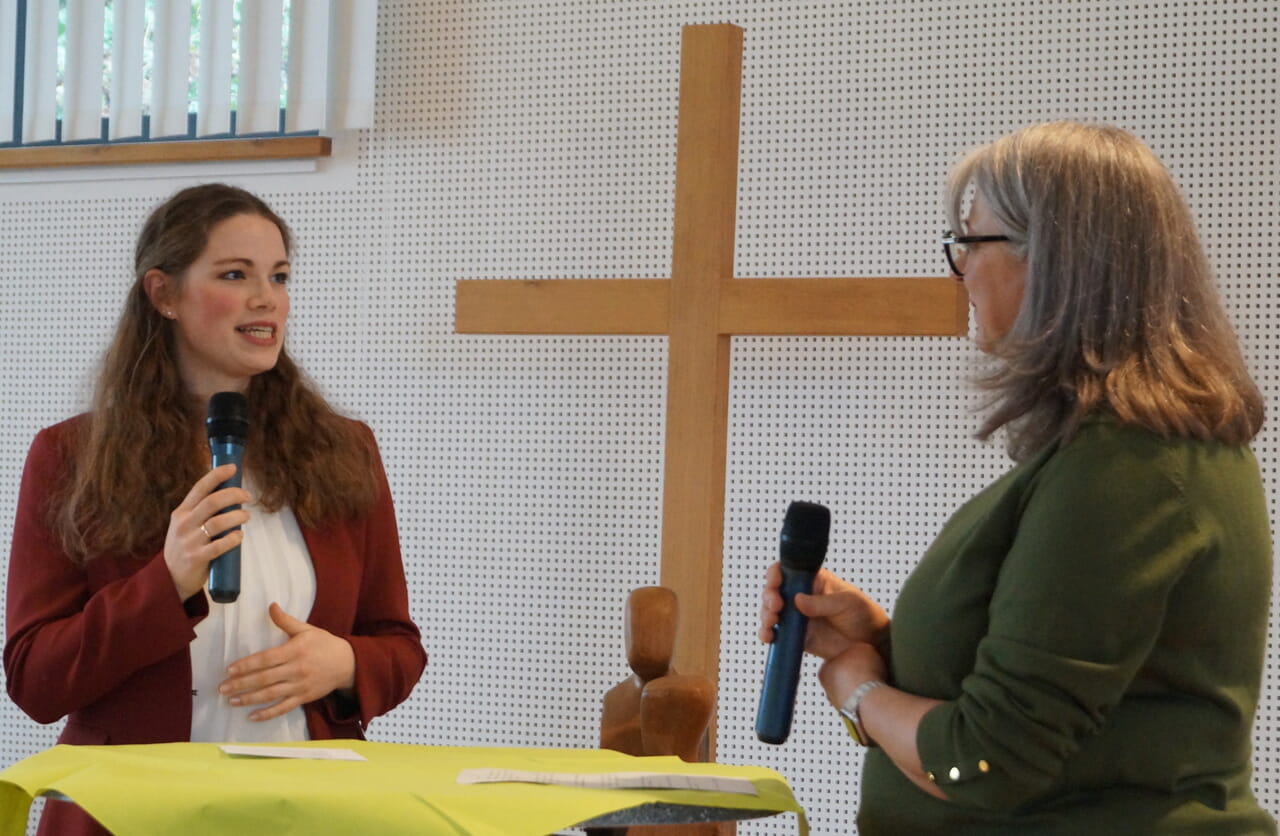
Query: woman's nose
(264, 295)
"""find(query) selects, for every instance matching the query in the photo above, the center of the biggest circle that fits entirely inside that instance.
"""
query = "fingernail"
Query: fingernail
(235, 701)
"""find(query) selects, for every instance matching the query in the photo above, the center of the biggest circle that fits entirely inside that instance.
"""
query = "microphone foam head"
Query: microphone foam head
(228, 416)
(803, 544)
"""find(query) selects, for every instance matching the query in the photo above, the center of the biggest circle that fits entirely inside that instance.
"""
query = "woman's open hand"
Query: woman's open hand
(310, 665)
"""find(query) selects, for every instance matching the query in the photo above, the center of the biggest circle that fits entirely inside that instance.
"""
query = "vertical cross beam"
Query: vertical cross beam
(698, 358)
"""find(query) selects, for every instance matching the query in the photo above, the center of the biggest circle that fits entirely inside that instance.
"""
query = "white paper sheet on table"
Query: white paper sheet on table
(293, 752)
(612, 780)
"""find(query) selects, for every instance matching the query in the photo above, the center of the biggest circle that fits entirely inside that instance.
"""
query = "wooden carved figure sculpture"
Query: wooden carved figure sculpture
(656, 711)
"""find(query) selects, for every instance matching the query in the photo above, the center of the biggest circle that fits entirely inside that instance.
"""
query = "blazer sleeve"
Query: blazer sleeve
(77, 632)
(387, 644)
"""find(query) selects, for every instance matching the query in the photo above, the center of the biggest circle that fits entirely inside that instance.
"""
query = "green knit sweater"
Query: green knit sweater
(1096, 622)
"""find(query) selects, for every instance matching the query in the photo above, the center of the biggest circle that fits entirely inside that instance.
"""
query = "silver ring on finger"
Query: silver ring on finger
(205, 531)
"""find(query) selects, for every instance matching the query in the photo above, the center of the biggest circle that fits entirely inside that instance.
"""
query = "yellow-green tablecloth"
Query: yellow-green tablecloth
(196, 789)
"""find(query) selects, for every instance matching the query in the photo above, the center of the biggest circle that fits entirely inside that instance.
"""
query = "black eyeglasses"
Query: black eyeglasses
(961, 244)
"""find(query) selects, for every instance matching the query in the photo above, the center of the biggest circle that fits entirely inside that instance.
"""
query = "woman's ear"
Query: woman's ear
(161, 291)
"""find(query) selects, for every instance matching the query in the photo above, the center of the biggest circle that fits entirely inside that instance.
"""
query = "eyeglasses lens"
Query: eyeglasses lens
(955, 252)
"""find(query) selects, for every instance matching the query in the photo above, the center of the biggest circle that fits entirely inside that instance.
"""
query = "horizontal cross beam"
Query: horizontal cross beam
(755, 307)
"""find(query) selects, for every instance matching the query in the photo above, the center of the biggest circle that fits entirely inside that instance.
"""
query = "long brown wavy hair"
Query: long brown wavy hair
(143, 444)
(1120, 314)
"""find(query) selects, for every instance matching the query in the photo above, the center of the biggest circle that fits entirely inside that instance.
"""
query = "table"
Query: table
(197, 789)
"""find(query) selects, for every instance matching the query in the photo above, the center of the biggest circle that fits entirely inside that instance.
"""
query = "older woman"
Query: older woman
(1081, 648)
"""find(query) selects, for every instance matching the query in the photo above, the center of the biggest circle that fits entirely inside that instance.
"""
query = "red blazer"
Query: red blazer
(106, 644)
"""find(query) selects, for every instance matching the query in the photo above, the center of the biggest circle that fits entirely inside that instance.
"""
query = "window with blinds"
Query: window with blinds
(86, 71)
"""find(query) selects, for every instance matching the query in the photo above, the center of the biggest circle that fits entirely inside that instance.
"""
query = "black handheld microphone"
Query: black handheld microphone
(228, 427)
(802, 547)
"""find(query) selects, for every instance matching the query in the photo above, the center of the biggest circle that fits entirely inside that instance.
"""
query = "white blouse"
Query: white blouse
(274, 566)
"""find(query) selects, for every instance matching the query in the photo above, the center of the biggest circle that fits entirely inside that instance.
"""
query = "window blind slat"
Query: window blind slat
(129, 32)
(8, 75)
(308, 89)
(355, 22)
(170, 68)
(40, 74)
(82, 82)
(261, 52)
(213, 90)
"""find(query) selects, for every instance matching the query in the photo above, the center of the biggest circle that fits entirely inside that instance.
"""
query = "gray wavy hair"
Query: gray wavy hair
(1120, 313)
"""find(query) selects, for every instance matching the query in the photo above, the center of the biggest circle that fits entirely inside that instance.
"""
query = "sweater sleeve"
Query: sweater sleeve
(1104, 535)
(75, 632)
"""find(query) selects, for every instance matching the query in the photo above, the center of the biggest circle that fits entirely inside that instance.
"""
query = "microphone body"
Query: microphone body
(803, 548)
(228, 426)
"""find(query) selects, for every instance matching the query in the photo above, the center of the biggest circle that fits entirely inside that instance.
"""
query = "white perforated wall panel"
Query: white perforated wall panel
(537, 140)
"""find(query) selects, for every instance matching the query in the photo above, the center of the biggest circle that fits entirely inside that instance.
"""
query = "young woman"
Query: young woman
(119, 517)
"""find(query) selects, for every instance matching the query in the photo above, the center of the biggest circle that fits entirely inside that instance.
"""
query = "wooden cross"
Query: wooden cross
(699, 308)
